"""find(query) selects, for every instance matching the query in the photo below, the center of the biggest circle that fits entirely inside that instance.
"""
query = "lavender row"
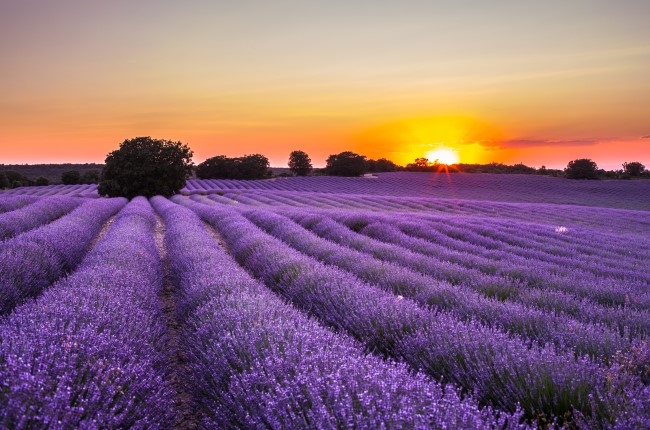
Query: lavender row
(462, 302)
(505, 188)
(605, 290)
(81, 190)
(610, 220)
(553, 252)
(38, 213)
(32, 261)
(627, 321)
(449, 233)
(10, 203)
(575, 242)
(89, 353)
(499, 369)
(254, 361)
(556, 248)
(580, 244)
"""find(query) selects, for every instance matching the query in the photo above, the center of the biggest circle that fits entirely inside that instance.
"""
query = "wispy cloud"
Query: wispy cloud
(647, 136)
(533, 143)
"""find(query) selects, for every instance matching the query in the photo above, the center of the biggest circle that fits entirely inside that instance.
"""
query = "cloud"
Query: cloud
(533, 143)
(647, 136)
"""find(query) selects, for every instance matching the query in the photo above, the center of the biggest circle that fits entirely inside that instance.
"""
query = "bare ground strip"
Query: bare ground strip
(186, 418)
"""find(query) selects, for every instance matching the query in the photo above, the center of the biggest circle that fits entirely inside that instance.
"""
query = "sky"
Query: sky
(535, 82)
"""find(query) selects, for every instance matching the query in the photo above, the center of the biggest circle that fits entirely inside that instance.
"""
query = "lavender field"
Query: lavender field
(405, 300)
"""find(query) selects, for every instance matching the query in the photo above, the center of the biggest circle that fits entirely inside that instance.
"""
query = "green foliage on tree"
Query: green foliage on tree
(71, 177)
(381, 165)
(346, 164)
(15, 179)
(421, 164)
(300, 163)
(143, 166)
(255, 166)
(90, 177)
(42, 182)
(633, 168)
(582, 168)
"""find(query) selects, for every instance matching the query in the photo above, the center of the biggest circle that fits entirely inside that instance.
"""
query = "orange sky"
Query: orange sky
(511, 81)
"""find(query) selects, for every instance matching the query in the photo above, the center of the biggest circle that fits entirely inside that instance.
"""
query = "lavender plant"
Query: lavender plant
(40, 212)
(254, 361)
(32, 261)
(89, 353)
(499, 370)
(10, 203)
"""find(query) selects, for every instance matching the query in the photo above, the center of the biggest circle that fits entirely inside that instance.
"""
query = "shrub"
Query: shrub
(346, 164)
(15, 179)
(633, 168)
(71, 177)
(90, 177)
(253, 166)
(146, 167)
(382, 165)
(582, 168)
(41, 181)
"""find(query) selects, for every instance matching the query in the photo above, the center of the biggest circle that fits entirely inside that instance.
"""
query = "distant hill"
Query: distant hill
(52, 172)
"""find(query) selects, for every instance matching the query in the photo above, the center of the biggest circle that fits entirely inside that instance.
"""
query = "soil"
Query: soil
(186, 418)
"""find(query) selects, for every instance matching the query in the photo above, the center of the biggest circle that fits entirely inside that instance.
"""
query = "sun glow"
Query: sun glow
(443, 155)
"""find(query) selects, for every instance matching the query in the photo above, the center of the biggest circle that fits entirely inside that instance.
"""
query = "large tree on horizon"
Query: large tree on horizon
(253, 166)
(346, 163)
(143, 166)
(300, 163)
(582, 168)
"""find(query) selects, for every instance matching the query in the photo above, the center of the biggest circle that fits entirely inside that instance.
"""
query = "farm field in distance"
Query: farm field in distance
(403, 300)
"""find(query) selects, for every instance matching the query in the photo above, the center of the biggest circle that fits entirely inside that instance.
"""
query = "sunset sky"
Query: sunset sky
(538, 82)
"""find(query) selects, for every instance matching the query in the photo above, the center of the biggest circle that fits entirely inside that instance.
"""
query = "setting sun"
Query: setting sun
(443, 155)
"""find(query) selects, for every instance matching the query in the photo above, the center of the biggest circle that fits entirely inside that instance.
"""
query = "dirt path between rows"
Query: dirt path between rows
(214, 235)
(107, 225)
(186, 418)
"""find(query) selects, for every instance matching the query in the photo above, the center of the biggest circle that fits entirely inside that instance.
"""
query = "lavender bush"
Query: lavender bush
(40, 212)
(589, 339)
(32, 261)
(256, 362)
(89, 353)
(498, 369)
(10, 203)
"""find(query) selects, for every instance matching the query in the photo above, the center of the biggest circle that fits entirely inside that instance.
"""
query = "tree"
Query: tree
(420, 165)
(381, 165)
(70, 177)
(253, 166)
(346, 164)
(16, 180)
(90, 177)
(582, 168)
(300, 163)
(4, 182)
(143, 166)
(41, 181)
(633, 168)
(219, 167)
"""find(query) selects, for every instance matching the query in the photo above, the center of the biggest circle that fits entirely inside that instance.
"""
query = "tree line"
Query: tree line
(146, 166)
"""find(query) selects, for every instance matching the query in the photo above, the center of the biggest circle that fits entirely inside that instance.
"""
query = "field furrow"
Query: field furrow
(500, 370)
(34, 260)
(252, 360)
(89, 353)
